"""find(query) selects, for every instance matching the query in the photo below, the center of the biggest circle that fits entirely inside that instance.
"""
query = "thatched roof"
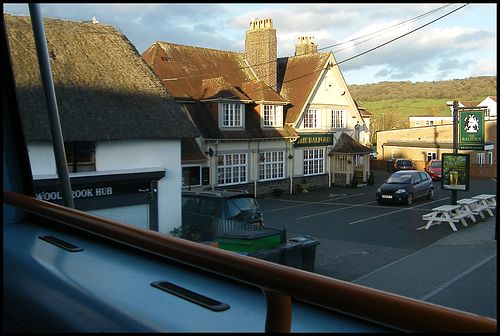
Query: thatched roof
(347, 145)
(104, 89)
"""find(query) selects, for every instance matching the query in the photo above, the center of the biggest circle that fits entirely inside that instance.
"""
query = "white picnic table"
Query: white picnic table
(471, 207)
(450, 214)
(487, 202)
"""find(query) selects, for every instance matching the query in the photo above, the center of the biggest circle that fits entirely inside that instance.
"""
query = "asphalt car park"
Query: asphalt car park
(357, 235)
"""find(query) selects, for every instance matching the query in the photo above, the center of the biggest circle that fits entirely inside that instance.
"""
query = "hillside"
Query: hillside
(393, 102)
(469, 89)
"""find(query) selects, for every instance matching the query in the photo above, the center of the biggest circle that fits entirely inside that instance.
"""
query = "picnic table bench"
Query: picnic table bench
(472, 207)
(450, 214)
(467, 207)
(487, 202)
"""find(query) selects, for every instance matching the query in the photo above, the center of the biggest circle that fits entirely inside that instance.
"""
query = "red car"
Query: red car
(433, 168)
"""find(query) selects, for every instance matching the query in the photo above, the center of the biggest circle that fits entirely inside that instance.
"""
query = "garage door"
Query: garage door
(137, 215)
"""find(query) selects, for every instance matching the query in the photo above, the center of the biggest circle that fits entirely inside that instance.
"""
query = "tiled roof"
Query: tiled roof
(347, 145)
(196, 76)
(190, 151)
(219, 88)
(104, 89)
(259, 92)
(296, 79)
(182, 69)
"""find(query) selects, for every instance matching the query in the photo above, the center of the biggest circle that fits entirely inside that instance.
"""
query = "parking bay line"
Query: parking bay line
(393, 212)
(326, 212)
(302, 203)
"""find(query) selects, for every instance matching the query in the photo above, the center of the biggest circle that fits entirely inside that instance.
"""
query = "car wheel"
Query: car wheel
(409, 200)
(430, 194)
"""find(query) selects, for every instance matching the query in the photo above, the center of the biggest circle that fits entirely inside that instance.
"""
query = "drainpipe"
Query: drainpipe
(255, 176)
(290, 170)
(51, 103)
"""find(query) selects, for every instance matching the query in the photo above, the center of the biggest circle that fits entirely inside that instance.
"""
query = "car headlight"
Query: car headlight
(401, 191)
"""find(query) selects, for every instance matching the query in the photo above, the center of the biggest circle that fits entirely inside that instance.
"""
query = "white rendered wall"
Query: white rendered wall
(130, 154)
(144, 153)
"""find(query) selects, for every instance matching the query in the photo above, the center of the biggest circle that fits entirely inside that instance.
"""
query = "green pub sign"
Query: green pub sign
(310, 140)
(471, 130)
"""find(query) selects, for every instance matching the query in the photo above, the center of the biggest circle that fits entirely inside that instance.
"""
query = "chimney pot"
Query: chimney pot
(305, 45)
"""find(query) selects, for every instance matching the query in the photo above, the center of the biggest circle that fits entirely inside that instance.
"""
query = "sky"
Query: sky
(460, 45)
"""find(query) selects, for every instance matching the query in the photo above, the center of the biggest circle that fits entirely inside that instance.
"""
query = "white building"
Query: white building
(122, 129)
(489, 105)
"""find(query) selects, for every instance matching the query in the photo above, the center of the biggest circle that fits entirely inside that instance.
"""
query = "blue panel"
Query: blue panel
(107, 288)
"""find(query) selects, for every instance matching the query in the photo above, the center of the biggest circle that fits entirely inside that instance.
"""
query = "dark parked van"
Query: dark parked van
(209, 213)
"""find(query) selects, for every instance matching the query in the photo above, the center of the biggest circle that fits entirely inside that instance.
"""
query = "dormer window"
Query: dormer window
(232, 115)
(273, 116)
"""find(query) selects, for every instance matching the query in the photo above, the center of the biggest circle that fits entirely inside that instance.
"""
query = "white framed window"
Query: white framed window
(393, 154)
(429, 122)
(339, 118)
(487, 114)
(273, 116)
(272, 165)
(480, 158)
(232, 115)
(359, 161)
(232, 168)
(417, 123)
(311, 118)
(191, 176)
(340, 163)
(490, 157)
(314, 161)
(431, 156)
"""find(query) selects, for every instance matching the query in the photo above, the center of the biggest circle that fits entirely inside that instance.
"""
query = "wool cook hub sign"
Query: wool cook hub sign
(471, 130)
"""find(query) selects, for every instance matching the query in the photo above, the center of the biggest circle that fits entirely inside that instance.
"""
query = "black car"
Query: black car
(213, 212)
(404, 164)
(406, 186)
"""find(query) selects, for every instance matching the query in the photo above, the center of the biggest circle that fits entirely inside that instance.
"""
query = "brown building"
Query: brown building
(265, 122)
(422, 144)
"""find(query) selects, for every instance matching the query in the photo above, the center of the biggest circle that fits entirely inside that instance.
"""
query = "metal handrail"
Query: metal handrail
(278, 282)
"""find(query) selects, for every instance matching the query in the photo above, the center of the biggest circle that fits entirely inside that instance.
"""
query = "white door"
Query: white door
(137, 215)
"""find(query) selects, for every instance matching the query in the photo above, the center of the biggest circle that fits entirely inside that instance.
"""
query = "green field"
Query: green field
(409, 107)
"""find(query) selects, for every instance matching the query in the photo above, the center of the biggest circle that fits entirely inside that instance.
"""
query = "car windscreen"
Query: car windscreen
(400, 178)
(436, 164)
(239, 204)
(404, 162)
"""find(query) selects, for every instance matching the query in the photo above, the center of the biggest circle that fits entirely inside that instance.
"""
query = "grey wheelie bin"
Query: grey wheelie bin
(307, 252)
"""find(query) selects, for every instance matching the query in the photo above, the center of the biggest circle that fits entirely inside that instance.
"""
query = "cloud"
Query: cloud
(484, 68)
(460, 43)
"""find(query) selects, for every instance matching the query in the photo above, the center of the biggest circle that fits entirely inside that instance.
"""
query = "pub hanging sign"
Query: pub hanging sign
(471, 130)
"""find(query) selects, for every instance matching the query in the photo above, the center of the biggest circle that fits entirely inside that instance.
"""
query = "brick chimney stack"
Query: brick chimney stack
(305, 45)
(261, 50)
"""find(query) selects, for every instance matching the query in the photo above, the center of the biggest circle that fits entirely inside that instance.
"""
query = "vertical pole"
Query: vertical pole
(50, 99)
(455, 144)
(279, 312)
